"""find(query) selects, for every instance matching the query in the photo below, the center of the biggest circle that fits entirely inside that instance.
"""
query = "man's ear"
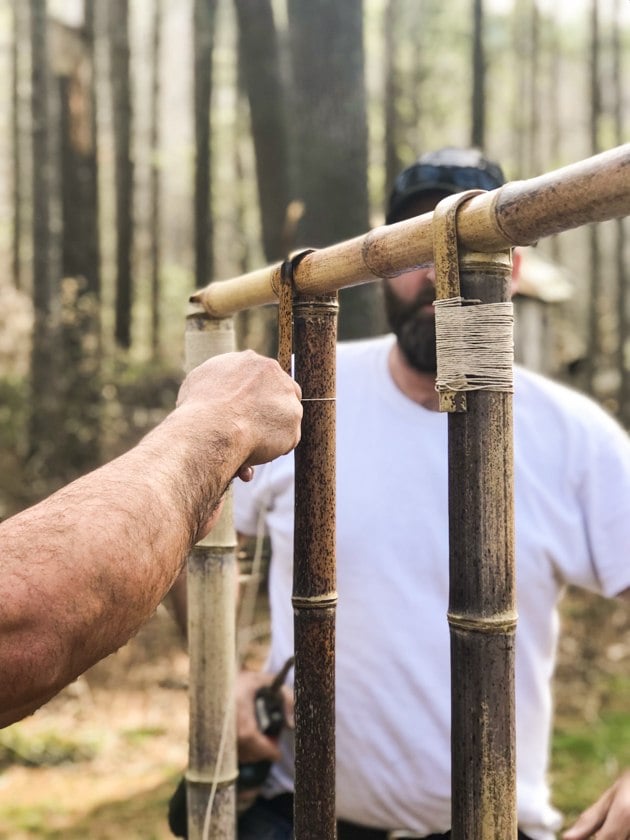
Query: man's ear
(517, 258)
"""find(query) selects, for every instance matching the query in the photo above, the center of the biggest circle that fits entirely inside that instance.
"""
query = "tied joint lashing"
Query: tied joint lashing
(475, 345)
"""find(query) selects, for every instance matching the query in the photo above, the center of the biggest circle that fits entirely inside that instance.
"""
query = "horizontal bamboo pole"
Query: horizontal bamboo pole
(519, 213)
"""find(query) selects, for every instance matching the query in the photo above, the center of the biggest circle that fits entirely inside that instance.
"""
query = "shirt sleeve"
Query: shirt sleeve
(605, 500)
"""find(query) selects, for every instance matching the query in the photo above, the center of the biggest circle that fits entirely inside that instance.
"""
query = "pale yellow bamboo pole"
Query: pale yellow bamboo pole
(519, 213)
(212, 581)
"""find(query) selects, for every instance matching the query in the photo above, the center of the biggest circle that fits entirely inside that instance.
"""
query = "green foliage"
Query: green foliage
(587, 760)
(142, 817)
(590, 744)
(142, 734)
(13, 412)
(44, 749)
(13, 443)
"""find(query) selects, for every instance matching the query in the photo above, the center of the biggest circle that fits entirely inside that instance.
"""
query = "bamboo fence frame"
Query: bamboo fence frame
(481, 617)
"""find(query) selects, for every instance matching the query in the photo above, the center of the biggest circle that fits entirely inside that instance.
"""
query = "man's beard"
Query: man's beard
(414, 328)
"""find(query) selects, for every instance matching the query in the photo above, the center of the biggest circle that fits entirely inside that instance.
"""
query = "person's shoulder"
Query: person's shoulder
(358, 350)
(534, 392)
(529, 385)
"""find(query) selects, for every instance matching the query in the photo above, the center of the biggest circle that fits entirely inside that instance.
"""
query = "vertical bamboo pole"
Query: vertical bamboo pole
(314, 576)
(212, 581)
(482, 615)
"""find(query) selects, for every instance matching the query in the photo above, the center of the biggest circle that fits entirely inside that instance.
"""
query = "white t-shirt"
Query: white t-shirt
(572, 489)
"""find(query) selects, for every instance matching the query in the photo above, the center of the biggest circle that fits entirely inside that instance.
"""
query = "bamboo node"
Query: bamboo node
(314, 602)
(500, 623)
(200, 778)
(314, 307)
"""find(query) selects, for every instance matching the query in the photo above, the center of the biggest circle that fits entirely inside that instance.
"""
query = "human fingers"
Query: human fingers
(257, 403)
(253, 746)
(275, 414)
(288, 702)
(609, 816)
(245, 473)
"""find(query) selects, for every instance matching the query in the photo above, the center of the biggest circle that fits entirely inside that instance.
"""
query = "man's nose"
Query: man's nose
(430, 275)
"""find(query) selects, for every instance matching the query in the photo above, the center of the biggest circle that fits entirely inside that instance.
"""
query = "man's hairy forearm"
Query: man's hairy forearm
(82, 570)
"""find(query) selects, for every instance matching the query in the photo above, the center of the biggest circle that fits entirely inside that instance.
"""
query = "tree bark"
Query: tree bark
(623, 328)
(154, 185)
(16, 147)
(122, 123)
(331, 139)
(521, 52)
(478, 102)
(393, 160)
(595, 286)
(203, 38)
(533, 157)
(44, 419)
(79, 369)
(260, 66)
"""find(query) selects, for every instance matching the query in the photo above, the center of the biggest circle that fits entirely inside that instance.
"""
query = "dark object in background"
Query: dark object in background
(270, 717)
(177, 811)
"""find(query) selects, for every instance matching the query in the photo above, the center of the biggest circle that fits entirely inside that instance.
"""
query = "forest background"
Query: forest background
(149, 147)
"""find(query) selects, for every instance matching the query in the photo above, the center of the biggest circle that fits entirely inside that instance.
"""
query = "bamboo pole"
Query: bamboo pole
(519, 213)
(480, 607)
(314, 572)
(481, 616)
(212, 581)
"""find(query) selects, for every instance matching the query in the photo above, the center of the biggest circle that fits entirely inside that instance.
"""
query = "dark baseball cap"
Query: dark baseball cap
(448, 170)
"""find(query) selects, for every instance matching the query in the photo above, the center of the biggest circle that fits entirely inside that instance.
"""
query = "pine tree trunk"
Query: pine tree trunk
(154, 187)
(122, 123)
(517, 119)
(79, 377)
(595, 287)
(331, 137)
(90, 163)
(260, 66)
(393, 161)
(16, 148)
(44, 420)
(478, 108)
(534, 92)
(621, 272)
(554, 114)
(203, 38)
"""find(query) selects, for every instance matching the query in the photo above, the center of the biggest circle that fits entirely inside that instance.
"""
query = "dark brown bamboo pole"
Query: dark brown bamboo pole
(519, 213)
(481, 615)
(314, 574)
(212, 582)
